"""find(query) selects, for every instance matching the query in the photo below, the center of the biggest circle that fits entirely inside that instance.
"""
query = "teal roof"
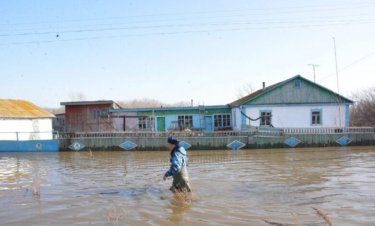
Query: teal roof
(286, 92)
(170, 108)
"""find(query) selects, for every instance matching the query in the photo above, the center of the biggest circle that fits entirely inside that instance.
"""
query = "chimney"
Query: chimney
(264, 85)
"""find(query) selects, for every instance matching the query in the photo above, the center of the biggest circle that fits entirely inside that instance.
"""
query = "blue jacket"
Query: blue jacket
(178, 159)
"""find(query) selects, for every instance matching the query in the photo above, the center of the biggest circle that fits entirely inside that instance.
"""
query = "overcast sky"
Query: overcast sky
(176, 51)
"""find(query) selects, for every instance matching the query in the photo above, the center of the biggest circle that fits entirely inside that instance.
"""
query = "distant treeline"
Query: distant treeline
(363, 111)
(150, 103)
(136, 103)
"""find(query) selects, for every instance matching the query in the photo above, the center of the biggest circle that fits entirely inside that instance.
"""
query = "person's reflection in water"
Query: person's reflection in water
(179, 210)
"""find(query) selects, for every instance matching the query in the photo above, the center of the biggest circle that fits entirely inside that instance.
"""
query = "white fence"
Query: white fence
(317, 130)
(150, 134)
(329, 130)
(267, 131)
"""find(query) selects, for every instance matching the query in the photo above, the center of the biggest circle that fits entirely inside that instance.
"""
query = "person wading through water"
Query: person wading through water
(178, 168)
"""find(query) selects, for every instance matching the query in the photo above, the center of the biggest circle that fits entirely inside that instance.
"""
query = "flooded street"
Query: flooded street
(247, 187)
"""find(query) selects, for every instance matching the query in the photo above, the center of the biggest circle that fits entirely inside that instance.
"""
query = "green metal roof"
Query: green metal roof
(171, 108)
(285, 93)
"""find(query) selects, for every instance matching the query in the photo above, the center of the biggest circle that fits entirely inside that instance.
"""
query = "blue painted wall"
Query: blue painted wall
(169, 119)
(196, 121)
(29, 145)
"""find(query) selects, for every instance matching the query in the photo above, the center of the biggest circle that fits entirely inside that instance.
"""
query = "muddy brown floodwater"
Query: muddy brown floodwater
(247, 187)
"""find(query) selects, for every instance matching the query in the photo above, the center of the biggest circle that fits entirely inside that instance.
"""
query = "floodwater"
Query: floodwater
(247, 187)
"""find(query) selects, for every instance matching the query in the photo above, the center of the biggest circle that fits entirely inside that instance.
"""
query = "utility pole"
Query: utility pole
(313, 66)
(337, 72)
(337, 79)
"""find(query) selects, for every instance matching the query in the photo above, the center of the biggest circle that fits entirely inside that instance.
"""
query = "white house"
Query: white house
(22, 122)
(295, 102)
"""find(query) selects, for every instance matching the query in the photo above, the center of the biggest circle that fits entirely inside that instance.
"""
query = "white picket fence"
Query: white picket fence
(317, 130)
(267, 131)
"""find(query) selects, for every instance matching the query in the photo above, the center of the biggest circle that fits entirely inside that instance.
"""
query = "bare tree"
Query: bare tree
(245, 90)
(55, 111)
(151, 103)
(363, 111)
(77, 96)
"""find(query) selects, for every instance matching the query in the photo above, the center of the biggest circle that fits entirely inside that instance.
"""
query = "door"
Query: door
(160, 124)
(208, 120)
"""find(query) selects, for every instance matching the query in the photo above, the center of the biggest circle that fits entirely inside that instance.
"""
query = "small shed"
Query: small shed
(25, 127)
(89, 116)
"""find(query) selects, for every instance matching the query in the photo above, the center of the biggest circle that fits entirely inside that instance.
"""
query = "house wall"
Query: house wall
(85, 118)
(237, 121)
(297, 116)
(131, 123)
(169, 119)
(170, 116)
(26, 129)
(58, 123)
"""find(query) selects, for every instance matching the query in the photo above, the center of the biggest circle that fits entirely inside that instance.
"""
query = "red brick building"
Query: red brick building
(89, 116)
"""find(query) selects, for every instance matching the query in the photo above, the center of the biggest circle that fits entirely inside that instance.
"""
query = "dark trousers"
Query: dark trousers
(181, 181)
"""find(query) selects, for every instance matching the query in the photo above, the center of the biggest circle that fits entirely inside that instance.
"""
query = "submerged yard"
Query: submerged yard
(247, 187)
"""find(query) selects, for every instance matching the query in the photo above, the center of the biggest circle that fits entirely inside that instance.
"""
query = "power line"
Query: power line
(298, 24)
(322, 19)
(309, 8)
(169, 33)
(351, 64)
(277, 11)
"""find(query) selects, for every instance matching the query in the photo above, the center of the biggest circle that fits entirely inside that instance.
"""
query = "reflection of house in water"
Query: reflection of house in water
(14, 173)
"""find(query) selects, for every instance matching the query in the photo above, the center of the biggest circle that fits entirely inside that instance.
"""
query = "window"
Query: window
(145, 123)
(185, 121)
(297, 83)
(100, 113)
(222, 120)
(265, 118)
(316, 118)
(96, 114)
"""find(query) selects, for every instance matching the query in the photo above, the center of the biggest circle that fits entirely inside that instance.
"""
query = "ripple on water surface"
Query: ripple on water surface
(229, 188)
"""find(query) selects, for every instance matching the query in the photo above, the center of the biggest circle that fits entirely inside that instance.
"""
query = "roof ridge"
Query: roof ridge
(260, 92)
